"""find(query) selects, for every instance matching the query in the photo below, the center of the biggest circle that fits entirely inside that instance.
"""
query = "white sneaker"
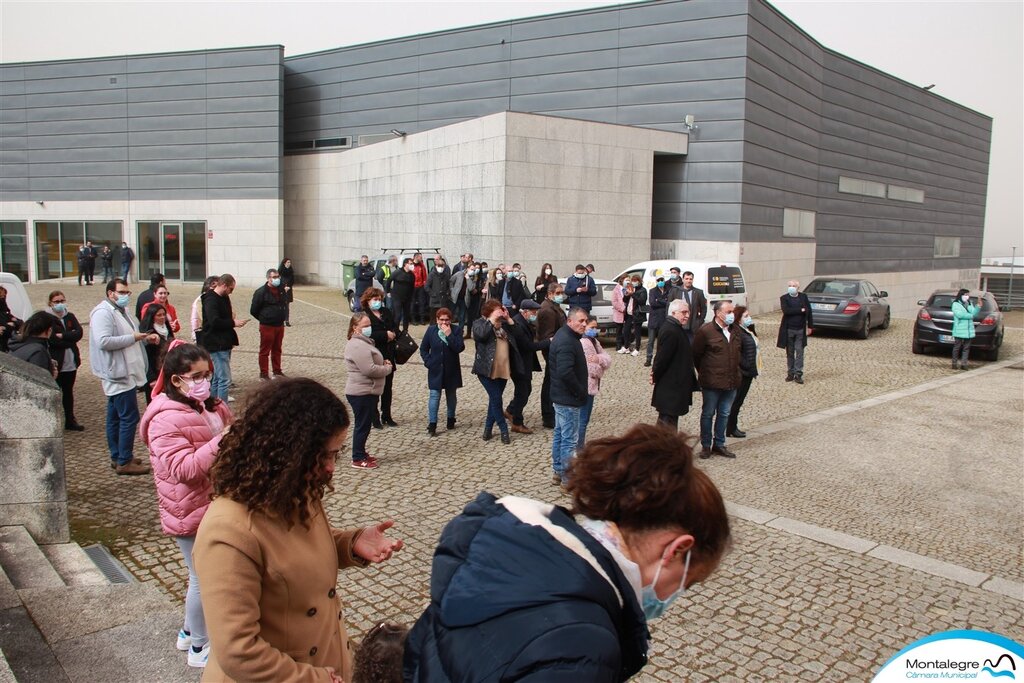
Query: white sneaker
(231, 399)
(635, 353)
(623, 350)
(198, 659)
(184, 641)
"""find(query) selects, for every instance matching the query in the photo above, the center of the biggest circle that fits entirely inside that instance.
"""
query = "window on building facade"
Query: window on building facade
(947, 247)
(798, 223)
(14, 249)
(906, 194)
(868, 188)
(57, 244)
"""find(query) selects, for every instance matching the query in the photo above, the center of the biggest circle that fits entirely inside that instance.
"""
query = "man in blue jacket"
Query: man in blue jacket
(568, 389)
(580, 288)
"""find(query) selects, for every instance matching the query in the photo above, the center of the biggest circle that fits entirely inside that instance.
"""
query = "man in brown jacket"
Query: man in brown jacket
(716, 354)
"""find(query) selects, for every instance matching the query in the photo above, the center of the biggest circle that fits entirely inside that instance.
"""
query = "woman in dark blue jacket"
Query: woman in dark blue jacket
(442, 343)
(523, 591)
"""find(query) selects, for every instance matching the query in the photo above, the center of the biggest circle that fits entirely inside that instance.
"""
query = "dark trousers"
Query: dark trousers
(547, 408)
(420, 307)
(521, 396)
(271, 339)
(494, 388)
(108, 272)
(403, 311)
(638, 333)
(472, 313)
(670, 421)
(83, 273)
(66, 382)
(385, 399)
(362, 414)
(734, 412)
(652, 339)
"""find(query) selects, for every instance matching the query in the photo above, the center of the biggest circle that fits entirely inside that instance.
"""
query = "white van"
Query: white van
(17, 297)
(718, 280)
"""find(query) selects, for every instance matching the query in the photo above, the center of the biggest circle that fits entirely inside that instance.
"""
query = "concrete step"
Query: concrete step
(73, 565)
(23, 562)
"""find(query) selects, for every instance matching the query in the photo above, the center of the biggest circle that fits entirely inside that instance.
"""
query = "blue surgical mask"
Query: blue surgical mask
(747, 321)
(730, 318)
(123, 300)
(60, 308)
(367, 331)
(591, 332)
(653, 606)
(791, 290)
(498, 277)
(661, 285)
(559, 298)
(375, 304)
(515, 273)
(276, 282)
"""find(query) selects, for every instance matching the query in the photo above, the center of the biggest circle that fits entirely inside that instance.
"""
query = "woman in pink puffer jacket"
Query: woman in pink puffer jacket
(182, 428)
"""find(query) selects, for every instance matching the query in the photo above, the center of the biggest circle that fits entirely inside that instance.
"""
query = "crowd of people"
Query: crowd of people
(242, 495)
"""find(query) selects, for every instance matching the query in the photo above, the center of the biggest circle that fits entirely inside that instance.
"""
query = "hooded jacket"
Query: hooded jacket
(561, 611)
(32, 350)
(183, 447)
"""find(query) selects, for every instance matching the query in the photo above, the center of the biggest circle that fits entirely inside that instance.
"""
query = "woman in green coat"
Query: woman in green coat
(963, 327)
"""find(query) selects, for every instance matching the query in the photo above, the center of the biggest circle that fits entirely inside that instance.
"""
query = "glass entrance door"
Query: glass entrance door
(172, 250)
(178, 250)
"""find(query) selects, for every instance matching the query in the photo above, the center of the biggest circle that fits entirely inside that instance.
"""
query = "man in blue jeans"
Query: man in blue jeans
(118, 359)
(716, 354)
(219, 335)
(568, 366)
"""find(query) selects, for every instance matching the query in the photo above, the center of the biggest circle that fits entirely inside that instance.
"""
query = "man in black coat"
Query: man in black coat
(524, 334)
(693, 296)
(364, 278)
(797, 325)
(270, 307)
(568, 365)
(672, 373)
(657, 306)
(219, 335)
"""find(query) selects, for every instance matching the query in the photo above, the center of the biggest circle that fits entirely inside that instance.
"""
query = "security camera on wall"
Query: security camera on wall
(689, 121)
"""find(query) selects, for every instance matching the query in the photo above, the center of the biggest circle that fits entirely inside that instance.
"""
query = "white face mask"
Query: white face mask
(547, 271)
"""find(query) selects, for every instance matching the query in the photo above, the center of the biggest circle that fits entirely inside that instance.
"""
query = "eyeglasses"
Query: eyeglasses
(59, 301)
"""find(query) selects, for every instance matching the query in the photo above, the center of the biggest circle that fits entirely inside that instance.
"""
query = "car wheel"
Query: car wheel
(993, 353)
(865, 329)
(351, 297)
(917, 347)
(885, 323)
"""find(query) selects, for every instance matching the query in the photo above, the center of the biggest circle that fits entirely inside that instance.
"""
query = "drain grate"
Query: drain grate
(108, 564)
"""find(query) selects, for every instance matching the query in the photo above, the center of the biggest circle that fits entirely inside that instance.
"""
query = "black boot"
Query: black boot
(432, 429)
(956, 365)
(451, 423)
(488, 435)
(505, 438)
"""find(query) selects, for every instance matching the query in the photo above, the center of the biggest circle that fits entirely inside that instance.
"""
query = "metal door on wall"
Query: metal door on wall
(176, 249)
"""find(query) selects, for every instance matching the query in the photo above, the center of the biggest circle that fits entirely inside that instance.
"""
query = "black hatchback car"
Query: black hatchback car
(850, 305)
(934, 323)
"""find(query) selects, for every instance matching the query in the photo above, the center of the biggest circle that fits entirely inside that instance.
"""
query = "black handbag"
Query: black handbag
(405, 347)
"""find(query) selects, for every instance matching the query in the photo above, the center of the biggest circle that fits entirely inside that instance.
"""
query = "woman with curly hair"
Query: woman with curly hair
(266, 554)
(182, 428)
(576, 602)
(379, 657)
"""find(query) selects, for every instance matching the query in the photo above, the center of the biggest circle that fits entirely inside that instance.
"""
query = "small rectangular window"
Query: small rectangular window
(331, 142)
(868, 188)
(906, 194)
(798, 223)
(298, 146)
(947, 247)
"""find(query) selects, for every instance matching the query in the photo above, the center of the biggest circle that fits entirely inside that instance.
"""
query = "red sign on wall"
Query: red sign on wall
(209, 234)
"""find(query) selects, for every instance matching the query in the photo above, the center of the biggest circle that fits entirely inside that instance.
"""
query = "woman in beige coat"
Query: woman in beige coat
(266, 555)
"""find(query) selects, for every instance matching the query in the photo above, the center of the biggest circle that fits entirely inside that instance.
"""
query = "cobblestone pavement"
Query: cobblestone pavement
(938, 474)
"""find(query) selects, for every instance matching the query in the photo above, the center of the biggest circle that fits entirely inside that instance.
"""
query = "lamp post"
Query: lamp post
(1009, 297)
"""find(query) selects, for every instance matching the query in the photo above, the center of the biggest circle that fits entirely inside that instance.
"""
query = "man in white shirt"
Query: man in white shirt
(118, 359)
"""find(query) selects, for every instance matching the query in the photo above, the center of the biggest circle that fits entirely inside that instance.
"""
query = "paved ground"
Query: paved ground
(833, 512)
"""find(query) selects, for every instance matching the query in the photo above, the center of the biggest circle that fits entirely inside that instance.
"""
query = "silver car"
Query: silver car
(849, 305)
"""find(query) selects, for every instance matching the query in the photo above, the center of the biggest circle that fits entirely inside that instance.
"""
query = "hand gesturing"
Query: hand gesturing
(373, 546)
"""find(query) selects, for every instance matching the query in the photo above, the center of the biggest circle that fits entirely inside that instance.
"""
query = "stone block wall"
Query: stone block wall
(33, 489)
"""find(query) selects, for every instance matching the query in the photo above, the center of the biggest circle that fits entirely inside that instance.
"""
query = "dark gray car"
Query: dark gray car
(849, 305)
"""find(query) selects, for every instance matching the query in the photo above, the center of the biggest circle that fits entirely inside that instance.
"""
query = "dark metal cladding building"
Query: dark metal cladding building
(788, 158)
